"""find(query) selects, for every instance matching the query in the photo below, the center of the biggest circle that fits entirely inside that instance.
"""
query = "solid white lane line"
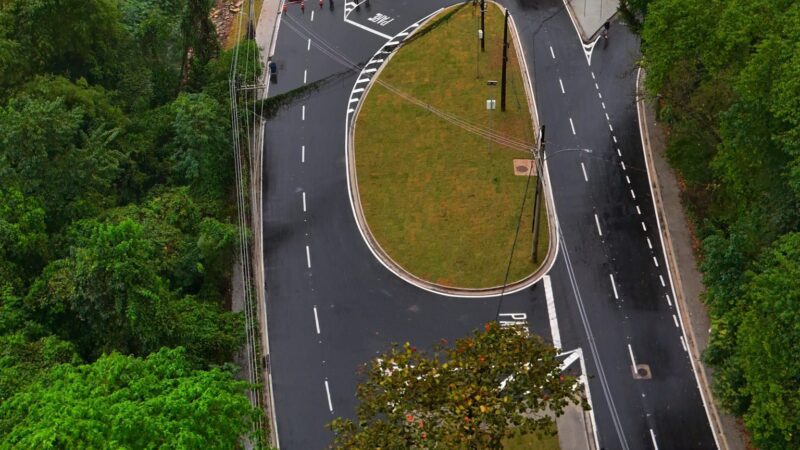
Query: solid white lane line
(562, 85)
(552, 53)
(303, 154)
(304, 113)
(623, 165)
(633, 360)
(597, 222)
(660, 278)
(304, 201)
(596, 86)
(649, 244)
(316, 319)
(638, 210)
(308, 257)
(615, 140)
(633, 195)
(551, 312)
(312, 15)
(607, 118)
(628, 179)
(328, 393)
(644, 227)
(305, 75)
(675, 319)
(593, 76)
(653, 436)
(308, 48)
(572, 125)
(583, 168)
(610, 128)
(614, 285)
(669, 301)
(604, 104)
(683, 344)
(655, 261)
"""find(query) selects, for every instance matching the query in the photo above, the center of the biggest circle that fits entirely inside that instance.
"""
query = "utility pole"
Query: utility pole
(483, 25)
(505, 61)
(537, 198)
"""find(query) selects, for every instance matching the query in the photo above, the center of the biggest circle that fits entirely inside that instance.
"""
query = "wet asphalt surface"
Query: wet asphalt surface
(332, 306)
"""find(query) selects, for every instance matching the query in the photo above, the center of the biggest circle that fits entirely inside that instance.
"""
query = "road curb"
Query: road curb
(363, 226)
(675, 274)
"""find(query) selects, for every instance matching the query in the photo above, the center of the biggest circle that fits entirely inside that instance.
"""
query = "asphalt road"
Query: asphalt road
(332, 306)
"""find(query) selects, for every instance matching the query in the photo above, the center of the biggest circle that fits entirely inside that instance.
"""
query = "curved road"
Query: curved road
(332, 306)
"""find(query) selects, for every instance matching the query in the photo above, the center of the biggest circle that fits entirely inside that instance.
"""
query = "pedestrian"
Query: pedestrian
(605, 33)
(303, 6)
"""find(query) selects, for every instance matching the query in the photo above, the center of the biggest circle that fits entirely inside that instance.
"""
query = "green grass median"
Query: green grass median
(443, 202)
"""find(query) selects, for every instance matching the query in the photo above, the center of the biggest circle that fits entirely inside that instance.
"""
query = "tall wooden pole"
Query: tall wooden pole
(505, 61)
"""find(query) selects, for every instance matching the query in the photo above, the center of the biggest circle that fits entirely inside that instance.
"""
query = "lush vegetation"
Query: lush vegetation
(115, 232)
(497, 384)
(442, 202)
(727, 76)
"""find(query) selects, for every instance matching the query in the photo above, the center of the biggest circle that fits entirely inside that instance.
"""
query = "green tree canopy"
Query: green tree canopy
(494, 384)
(127, 402)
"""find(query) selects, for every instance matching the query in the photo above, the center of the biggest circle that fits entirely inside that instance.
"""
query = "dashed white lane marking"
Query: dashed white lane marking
(552, 53)
(600, 95)
(683, 344)
(614, 286)
(551, 312)
(583, 168)
(628, 179)
(596, 86)
(655, 261)
(305, 75)
(604, 104)
(308, 47)
(353, 100)
(370, 70)
(308, 257)
(619, 153)
(630, 351)
(312, 15)
(304, 201)
(633, 195)
(669, 301)
(597, 222)
(649, 244)
(304, 112)
(303, 154)
(661, 278)
(610, 127)
(362, 80)
(562, 85)
(572, 125)
(593, 76)
(328, 393)
(356, 91)
(644, 227)
(615, 139)
(675, 319)
(607, 118)
(623, 165)
(638, 210)
(653, 436)
(316, 319)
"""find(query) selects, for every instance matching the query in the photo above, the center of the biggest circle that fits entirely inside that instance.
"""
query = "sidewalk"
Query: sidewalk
(589, 15)
(688, 280)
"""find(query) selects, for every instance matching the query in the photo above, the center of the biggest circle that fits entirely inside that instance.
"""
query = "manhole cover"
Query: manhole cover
(642, 372)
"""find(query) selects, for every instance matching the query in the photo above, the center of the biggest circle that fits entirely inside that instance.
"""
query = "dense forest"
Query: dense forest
(726, 75)
(116, 238)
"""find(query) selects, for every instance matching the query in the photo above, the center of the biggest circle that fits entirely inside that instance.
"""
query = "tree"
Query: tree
(23, 238)
(761, 376)
(127, 402)
(491, 385)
